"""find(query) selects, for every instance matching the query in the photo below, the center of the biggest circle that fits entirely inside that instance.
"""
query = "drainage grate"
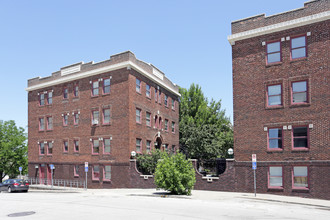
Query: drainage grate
(20, 214)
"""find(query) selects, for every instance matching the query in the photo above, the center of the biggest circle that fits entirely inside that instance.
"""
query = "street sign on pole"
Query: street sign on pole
(51, 166)
(254, 167)
(20, 172)
(86, 171)
(20, 169)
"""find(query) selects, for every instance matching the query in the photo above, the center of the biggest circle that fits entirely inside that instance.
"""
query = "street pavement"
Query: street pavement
(152, 204)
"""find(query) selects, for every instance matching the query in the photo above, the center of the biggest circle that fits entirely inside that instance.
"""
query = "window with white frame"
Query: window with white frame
(65, 93)
(96, 172)
(300, 177)
(173, 126)
(275, 177)
(148, 92)
(156, 95)
(50, 98)
(138, 145)
(274, 95)
(165, 100)
(148, 146)
(107, 173)
(42, 99)
(41, 124)
(138, 85)
(95, 146)
(148, 119)
(65, 146)
(159, 97)
(76, 90)
(95, 88)
(166, 125)
(106, 86)
(300, 137)
(65, 119)
(173, 104)
(274, 138)
(76, 170)
(299, 92)
(50, 148)
(41, 148)
(76, 118)
(298, 47)
(95, 117)
(138, 115)
(106, 116)
(49, 123)
(106, 145)
(274, 52)
(76, 145)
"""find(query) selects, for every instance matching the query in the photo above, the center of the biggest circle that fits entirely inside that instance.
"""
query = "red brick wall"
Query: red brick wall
(123, 129)
(251, 76)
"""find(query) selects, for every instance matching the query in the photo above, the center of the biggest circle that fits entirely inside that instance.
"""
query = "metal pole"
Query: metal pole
(255, 185)
(86, 181)
(20, 174)
(52, 177)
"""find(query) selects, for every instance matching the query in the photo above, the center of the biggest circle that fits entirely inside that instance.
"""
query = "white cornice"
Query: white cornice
(103, 70)
(279, 27)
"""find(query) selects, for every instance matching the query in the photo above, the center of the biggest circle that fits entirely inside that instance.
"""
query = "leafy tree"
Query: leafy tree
(13, 149)
(147, 163)
(205, 132)
(175, 174)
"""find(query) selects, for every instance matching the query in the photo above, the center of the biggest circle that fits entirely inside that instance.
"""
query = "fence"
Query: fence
(58, 182)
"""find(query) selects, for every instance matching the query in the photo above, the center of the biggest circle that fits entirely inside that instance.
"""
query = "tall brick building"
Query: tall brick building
(99, 113)
(281, 101)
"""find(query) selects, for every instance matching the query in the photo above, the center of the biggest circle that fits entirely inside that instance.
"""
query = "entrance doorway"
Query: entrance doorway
(158, 143)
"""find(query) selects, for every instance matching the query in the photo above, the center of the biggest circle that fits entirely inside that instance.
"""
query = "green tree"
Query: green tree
(175, 174)
(13, 149)
(205, 132)
(147, 163)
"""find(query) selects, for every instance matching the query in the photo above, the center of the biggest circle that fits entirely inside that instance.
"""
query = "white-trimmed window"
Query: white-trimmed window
(76, 145)
(299, 92)
(50, 97)
(273, 52)
(41, 124)
(166, 125)
(148, 119)
(95, 117)
(106, 145)
(65, 119)
(41, 148)
(173, 126)
(274, 95)
(96, 172)
(138, 86)
(106, 116)
(65, 93)
(275, 139)
(65, 146)
(148, 146)
(95, 146)
(95, 88)
(300, 177)
(138, 115)
(75, 90)
(49, 122)
(300, 137)
(275, 177)
(106, 86)
(173, 104)
(138, 145)
(298, 47)
(42, 99)
(148, 90)
(76, 118)
(49, 148)
(107, 173)
(165, 100)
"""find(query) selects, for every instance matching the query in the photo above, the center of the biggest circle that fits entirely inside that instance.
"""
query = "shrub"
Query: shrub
(175, 174)
(146, 163)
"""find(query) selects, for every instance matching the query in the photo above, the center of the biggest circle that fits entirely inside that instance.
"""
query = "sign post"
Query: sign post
(254, 167)
(51, 170)
(20, 172)
(86, 171)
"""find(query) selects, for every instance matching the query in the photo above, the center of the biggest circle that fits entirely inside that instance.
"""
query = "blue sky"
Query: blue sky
(186, 39)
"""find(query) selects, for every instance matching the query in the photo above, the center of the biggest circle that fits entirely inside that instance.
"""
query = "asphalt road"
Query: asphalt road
(112, 204)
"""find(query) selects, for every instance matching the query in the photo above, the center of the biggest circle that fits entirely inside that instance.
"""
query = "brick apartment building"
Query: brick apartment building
(282, 101)
(99, 113)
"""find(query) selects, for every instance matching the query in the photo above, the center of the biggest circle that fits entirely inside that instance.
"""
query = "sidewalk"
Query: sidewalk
(196, 194)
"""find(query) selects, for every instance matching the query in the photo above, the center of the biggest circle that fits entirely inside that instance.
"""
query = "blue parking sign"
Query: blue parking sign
(20, 169)
(254, 165)
(86, 169)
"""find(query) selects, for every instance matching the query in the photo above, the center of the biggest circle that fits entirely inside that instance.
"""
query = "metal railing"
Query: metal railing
(58, 182)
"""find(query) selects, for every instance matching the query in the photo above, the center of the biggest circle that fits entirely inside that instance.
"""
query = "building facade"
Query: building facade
(281, 101)
(99, 113)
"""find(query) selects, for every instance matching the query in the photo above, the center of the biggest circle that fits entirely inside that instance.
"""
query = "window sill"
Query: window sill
(94, 96)
(300, 189)
(275, 189)
(298, 59)
(299, 105)
(106, 181)
(96, 180)
(108, 124)
(40, 131)
(274, 107)
(76, 176)
(49, 130)
(75, 99)
(274, 150)
(300, 149)
(274, 64)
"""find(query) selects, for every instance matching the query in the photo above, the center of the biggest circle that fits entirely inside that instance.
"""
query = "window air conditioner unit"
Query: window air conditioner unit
(95, 122)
